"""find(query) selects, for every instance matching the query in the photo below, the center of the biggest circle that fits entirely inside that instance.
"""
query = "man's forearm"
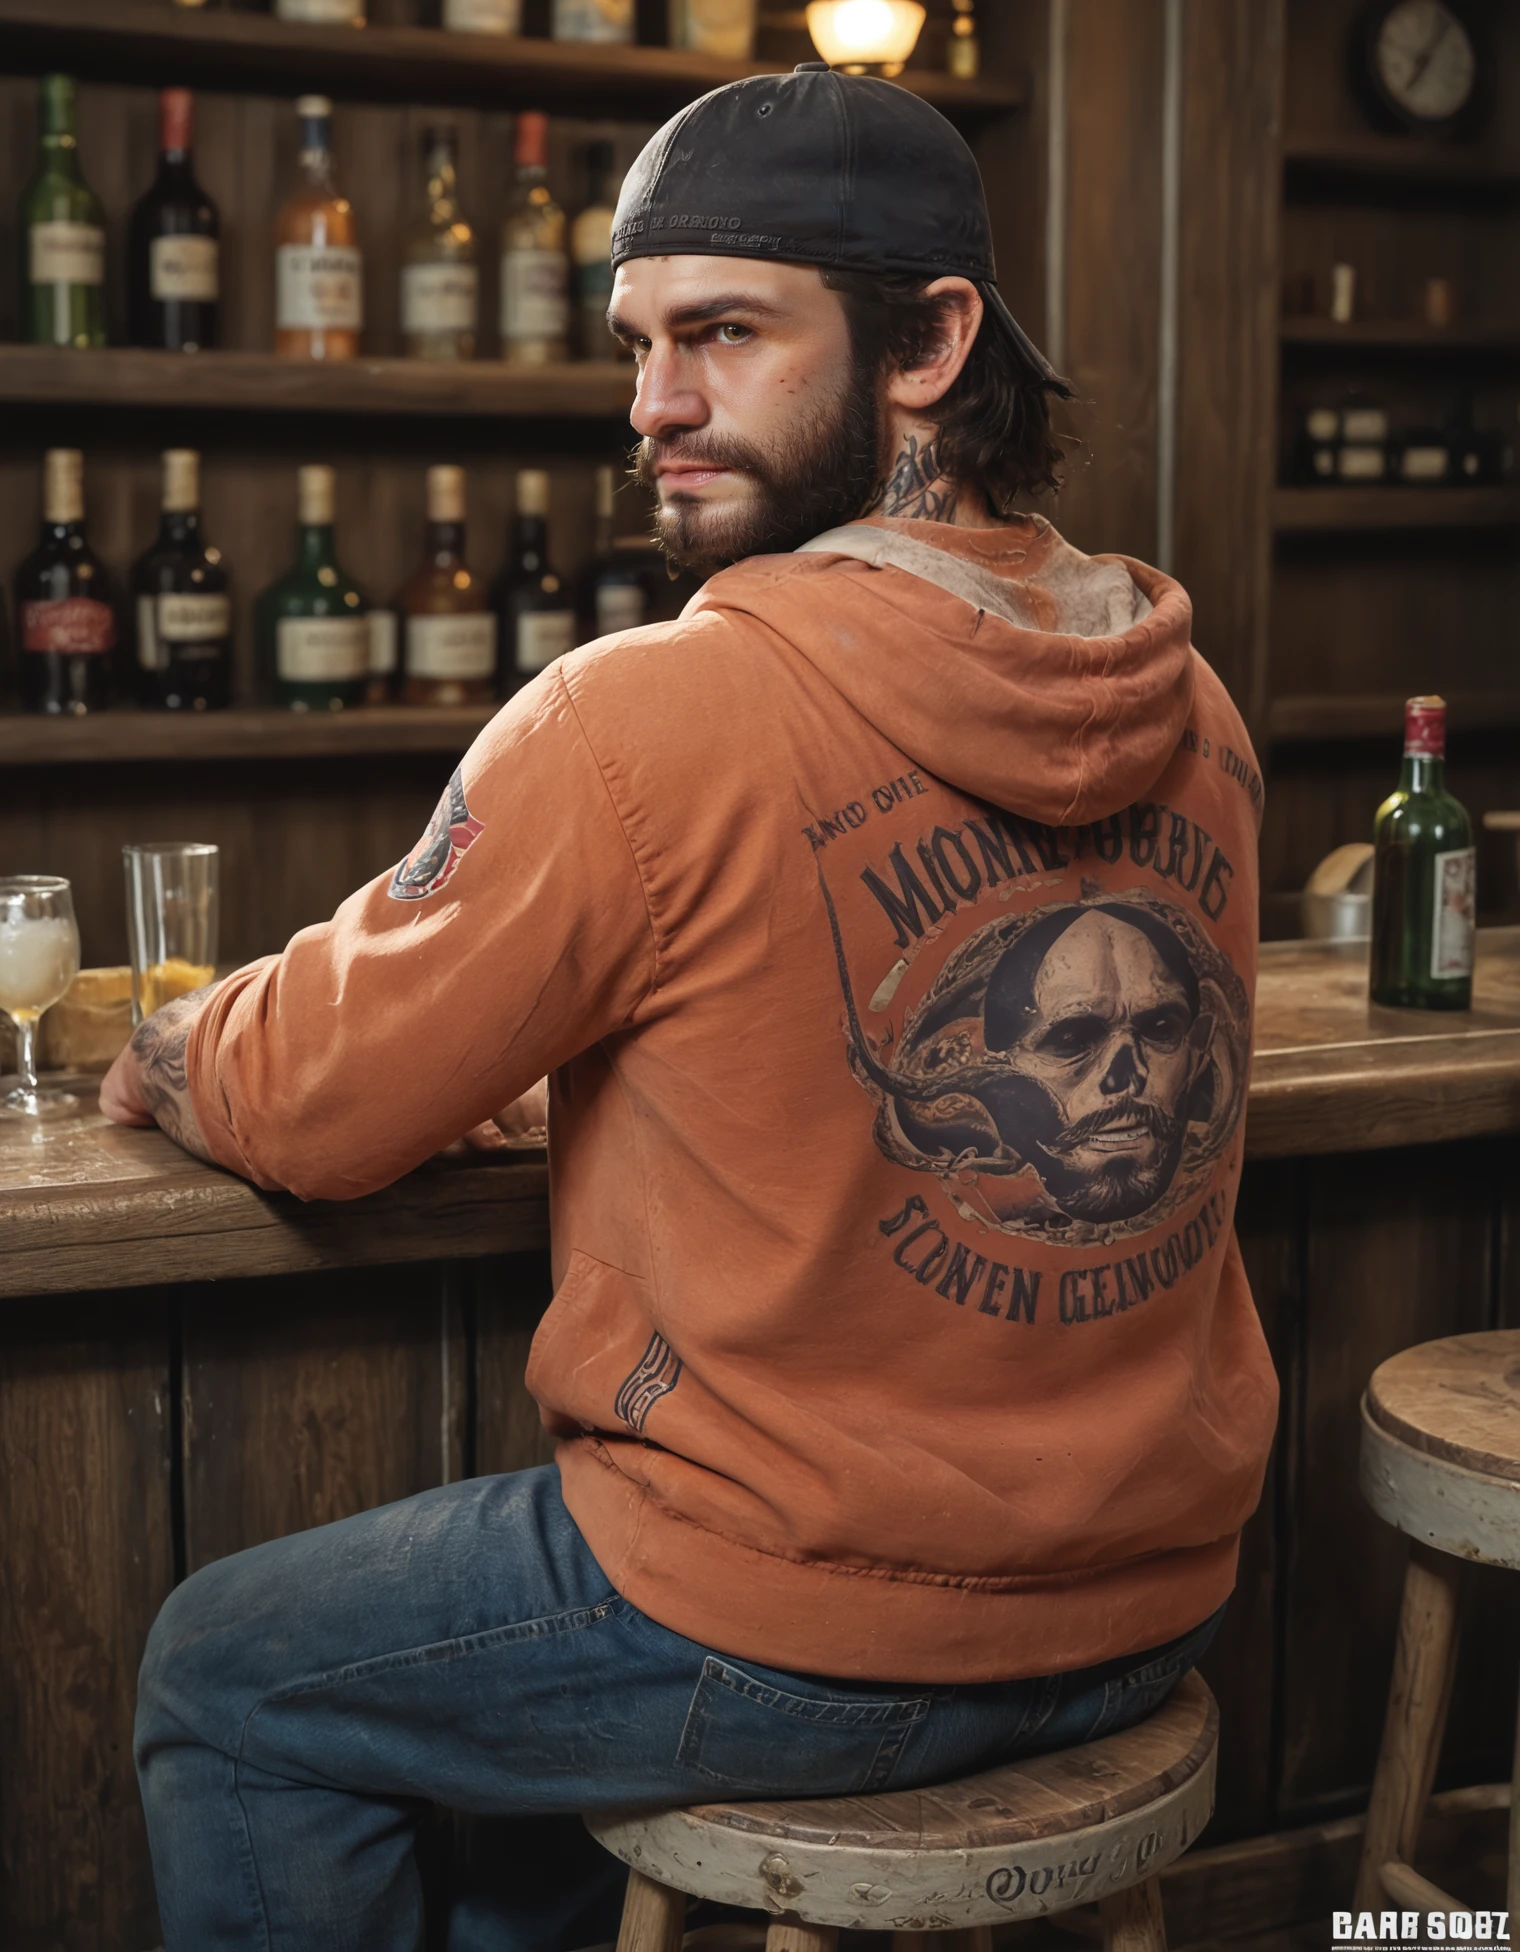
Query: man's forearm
(159, 1045)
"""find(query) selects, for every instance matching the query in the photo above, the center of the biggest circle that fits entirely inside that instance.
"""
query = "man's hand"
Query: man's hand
(524, 1122)
(147, 1084)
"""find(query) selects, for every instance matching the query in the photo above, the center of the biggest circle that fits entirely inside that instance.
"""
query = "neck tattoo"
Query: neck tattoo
(915, 488)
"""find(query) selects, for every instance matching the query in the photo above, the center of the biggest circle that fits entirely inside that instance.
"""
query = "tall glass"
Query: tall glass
(39, 958)
(171, 920)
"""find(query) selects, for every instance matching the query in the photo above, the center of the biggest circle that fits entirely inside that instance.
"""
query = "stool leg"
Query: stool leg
(791, 1935)
(1424, 1661)
(1132, 1919)
(653, 1917)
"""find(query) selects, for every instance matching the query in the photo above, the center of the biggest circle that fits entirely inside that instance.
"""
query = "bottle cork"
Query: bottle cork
(63, 485)
(445, 494)
(182, 481)
(606, 485)
(315, 494)
(309, 107)
(533, 492)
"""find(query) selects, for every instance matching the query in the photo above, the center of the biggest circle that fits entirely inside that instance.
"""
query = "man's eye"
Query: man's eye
(733, 335)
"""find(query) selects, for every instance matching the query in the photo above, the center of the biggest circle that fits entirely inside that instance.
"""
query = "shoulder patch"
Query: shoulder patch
(448, 836)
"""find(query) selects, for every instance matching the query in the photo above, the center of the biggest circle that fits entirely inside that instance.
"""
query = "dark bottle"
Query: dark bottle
(1423, 894)
(172, 260)
(62, 234)
(65, 618)
(181, 608)
(312, 623)
(535, 608)
(614, 595)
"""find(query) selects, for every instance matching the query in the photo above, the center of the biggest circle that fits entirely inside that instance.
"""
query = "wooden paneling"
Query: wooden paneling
(510, 1296)
(88, 1558)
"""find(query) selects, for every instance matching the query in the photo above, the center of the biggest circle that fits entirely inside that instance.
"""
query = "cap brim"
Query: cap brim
(1030, 357)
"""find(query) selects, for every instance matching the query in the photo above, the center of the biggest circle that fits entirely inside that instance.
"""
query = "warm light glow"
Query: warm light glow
(865, 33)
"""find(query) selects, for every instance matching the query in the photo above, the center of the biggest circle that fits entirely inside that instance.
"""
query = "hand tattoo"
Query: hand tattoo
(916, 488)
(159, 1043)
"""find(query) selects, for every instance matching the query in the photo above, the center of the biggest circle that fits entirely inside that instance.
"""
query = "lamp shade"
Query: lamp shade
(865, 33)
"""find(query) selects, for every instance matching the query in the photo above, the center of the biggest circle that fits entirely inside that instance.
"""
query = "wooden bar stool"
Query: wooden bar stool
(1031, 1839)
(1441, 1461)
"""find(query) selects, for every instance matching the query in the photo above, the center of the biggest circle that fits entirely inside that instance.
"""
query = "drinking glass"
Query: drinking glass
(171, 920)
(39, 958)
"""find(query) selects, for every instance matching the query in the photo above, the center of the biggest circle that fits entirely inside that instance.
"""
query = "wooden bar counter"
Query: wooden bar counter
(188, 1366)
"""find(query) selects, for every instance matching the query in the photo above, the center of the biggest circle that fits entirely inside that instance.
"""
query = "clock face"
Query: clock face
(1425, 60)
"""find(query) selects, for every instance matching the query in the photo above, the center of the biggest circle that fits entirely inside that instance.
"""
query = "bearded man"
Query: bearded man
(759, 1564)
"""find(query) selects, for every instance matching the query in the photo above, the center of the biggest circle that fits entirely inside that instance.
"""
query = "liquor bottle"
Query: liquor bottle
(448, 626)
(1314, 459)
(311, 623)
(537, 615)
(591, 251)
(963, 54)
(616, 596)
(440, 281)
(182, 608)
(319, 272)
(65, 617)
(1363, 451)
(534, 269)
(1423, 892)
(62, 234)
(593, 20)
(322, 13)
(725, 28)
(172, 265)
(482, 16)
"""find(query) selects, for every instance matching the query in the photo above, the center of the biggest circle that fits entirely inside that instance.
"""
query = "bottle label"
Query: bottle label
(195, 626)
(593, 20)
(482, 16)
(451, 647)
(183, 267)
(321, 13)
(543, 636)
(322, 650)
(319, 287)
(382, 643)
(619, 606)
(1361, 463)
(73, 623)
(1423, 464)
(68, 254)
(439, 297)
(725, 28)
(533, 295)
(1454, 911)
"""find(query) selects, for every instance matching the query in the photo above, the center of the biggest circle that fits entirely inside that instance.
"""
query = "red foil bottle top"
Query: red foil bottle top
(1425, 728)
(174, 110)
(531, 140)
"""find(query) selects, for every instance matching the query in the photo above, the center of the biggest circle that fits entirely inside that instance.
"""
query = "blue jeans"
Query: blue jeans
(301, 1704)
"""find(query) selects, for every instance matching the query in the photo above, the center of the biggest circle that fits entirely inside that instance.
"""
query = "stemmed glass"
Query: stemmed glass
(39, 958)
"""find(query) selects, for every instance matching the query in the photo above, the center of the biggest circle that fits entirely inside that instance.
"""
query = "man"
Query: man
(841, 1502)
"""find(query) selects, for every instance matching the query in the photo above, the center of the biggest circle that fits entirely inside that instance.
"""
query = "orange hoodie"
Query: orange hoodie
(893, 963)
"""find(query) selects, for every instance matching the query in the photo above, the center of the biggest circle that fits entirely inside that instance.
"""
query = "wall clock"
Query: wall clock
(1421, 61)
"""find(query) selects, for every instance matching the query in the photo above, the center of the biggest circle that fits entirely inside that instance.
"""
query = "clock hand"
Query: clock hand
(1430, 54)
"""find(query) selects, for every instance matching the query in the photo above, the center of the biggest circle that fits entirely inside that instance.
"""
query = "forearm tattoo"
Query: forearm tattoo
(916, 488)
(159, 1043)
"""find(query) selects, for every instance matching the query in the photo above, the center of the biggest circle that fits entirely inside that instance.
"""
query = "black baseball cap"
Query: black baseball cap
(818, 168)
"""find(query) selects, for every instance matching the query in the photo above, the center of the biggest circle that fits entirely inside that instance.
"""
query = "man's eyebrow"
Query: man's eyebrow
(703, 314)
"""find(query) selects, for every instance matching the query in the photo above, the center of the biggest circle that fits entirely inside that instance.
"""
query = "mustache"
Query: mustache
(1131, 1111)
(698, 450)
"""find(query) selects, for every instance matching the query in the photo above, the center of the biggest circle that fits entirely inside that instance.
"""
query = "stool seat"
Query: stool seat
(1028, 1838)
(1441, 1445)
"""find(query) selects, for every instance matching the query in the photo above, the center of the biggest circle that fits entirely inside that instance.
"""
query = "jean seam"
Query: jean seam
(903, 1711)
(247, 1855)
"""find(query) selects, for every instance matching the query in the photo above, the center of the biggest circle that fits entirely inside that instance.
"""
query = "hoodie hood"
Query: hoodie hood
(1064, 716)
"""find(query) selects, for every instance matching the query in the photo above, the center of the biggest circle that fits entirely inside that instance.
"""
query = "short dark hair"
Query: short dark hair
(993, 424)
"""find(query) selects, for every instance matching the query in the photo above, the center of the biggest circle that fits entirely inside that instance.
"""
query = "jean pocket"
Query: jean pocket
(1140, 1690)
(745, 1733)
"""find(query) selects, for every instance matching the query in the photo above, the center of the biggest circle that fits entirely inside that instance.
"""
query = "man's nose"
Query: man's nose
(1126, 1069)
(666, 402)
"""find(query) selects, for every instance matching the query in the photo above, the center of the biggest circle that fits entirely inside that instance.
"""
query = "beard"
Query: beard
(823, 473)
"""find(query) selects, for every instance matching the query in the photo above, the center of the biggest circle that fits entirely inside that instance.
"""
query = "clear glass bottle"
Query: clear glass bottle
(319, 272)
(535, 271)
(536, 610)
(723, 28)
(440, 277)
(1424, 878)
(181, 602)
(62, 233)
(591, 252)
(448, 626)
(593, 20)
(312, 623)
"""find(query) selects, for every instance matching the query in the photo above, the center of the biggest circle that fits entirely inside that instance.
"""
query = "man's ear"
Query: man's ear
(917, 388)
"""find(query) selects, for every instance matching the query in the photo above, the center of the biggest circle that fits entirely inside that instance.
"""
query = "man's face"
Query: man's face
(1105, 1067)
(757, 430)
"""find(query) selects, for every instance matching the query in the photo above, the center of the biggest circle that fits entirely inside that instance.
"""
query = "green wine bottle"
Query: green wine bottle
(312, 623)
(62, 235)
(1424, 874)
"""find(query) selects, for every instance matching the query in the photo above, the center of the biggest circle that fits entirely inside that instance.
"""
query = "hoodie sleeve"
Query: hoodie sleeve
(513, 936)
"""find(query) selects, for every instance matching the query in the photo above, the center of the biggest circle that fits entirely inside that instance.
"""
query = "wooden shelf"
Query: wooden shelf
(1312, 718)
(1395, 160)
(1317, 511)
(114, 737)
(155, 43)
(1401, 335)
(257, 382)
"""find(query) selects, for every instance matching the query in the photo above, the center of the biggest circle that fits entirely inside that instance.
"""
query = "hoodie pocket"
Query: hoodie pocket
(804, 1739)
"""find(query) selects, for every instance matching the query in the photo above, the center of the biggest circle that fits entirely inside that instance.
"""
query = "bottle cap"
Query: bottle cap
(175, 112)
(63, 485)
(533, 492)
(1425, 728)
(182, 481)
(606, 484)
(313, 106)
(530, 140)
(445, 494)
(315, 496)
